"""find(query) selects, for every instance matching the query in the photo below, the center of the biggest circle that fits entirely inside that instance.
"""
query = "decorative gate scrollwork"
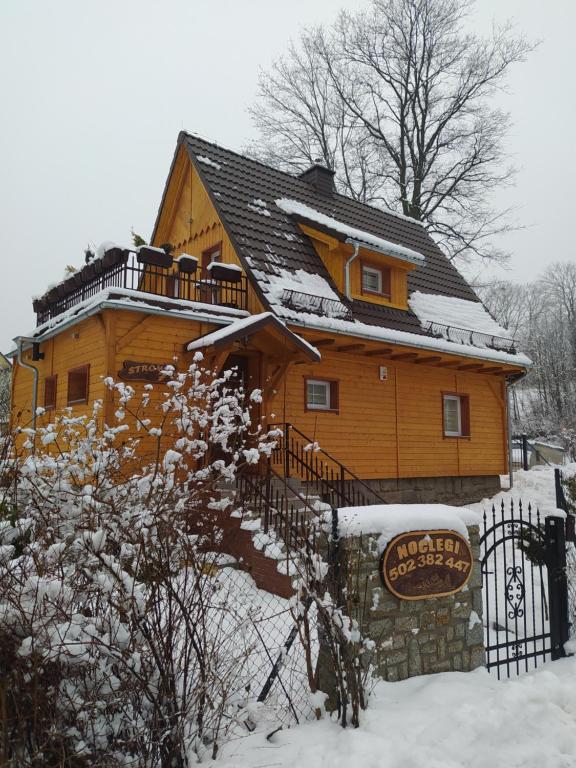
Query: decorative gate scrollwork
(523, 563)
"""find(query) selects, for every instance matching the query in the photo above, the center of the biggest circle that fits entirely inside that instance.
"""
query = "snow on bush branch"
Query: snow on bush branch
(123, 643)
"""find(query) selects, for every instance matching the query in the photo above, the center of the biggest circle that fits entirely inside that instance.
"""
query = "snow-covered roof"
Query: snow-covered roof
(451, 311)
(124, 298)
(247, 326)
(391, 336)
(296, 208)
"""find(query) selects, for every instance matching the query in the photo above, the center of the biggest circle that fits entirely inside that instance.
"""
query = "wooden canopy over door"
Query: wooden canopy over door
(262, 338)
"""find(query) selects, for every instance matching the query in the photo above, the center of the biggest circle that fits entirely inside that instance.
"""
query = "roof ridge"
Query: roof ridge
(211, 143)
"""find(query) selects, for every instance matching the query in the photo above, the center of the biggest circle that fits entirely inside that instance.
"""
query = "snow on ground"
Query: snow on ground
(534, 486)
(448, 720)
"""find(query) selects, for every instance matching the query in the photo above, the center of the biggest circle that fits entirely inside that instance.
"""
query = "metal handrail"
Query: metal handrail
(335, 484)
(158, 281)
(291, 530)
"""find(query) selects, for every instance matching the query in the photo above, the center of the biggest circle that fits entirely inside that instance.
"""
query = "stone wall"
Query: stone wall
(457, 491)
(415, 637)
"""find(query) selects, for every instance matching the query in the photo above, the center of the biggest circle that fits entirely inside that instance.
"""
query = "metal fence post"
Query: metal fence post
(560, 497)
(268, 494)
(286, 453)
(557, 584)
(525, 452)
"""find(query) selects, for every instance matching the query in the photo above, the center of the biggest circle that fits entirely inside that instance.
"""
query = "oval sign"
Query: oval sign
(422, 564)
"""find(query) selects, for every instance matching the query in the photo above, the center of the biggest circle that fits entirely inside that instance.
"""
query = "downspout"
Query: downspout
(356, 245)
(19, 340)
(509, 387)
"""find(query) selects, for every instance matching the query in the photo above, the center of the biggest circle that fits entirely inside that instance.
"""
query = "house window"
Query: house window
(208, 256)
(50, 387)
(78, 385)
(376, 280)
(321, 395)
(456, 415)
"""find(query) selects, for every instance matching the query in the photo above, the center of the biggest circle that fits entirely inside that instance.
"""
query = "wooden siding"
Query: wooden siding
(383, 429)
(334, 254)
(394, 428)
(83, 344)
(190, 222)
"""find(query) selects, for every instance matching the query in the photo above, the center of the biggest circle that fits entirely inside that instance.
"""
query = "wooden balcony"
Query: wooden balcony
(126, 272)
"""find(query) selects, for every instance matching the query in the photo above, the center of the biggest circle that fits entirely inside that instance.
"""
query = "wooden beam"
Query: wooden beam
(133, 332)
(275, 378)
(405, 356)
(350, 347)
(379, 352)
(493, 369)
(431, 359)
(332, 243)
(320, 342)
(216, 359)
(448, 363)
(471, 367)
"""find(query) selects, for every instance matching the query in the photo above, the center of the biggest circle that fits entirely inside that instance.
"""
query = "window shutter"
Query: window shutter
(334, 396)
(50, 389)
(78, 379)
(387, 281)
(465, 415)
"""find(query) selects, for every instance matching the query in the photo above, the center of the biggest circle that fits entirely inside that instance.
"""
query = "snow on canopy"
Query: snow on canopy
(458, 313)
(293, 207)
(246, 325)
(389, 520)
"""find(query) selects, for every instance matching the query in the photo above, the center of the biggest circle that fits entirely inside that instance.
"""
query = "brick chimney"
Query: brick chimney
(320, 177)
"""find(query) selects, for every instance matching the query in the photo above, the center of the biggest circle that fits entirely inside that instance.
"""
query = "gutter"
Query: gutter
(356, 245)
(122, 305)
(461, 350)
(19, 340)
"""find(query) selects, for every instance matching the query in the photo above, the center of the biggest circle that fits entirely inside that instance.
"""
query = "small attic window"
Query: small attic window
(376, 280)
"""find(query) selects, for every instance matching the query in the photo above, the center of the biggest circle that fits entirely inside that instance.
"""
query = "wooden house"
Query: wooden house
(362, 335)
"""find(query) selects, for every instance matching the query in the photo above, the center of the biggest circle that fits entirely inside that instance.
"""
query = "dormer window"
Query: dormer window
(376, 280)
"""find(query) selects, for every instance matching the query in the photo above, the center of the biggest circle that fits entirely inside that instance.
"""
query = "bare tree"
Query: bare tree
(559, 283)
(399, 99)
(507, 302)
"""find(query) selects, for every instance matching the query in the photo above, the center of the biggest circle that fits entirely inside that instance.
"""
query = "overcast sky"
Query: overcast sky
(93, 95)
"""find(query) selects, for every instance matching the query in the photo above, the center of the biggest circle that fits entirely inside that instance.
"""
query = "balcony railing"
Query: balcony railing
(129, 274)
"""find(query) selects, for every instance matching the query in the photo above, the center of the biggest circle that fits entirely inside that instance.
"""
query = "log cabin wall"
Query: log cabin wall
(394, 428)
(84, 344)
(190, 222)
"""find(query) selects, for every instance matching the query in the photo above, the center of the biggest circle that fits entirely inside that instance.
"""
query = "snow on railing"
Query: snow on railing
(317, 305)
(471, 338)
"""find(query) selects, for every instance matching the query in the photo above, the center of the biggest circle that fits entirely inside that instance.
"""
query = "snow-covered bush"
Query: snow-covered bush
(121, 644)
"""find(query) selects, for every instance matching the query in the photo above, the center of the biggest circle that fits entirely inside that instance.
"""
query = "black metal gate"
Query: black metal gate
(523, 565)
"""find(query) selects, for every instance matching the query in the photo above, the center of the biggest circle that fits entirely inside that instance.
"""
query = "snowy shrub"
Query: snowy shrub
(121, 642)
